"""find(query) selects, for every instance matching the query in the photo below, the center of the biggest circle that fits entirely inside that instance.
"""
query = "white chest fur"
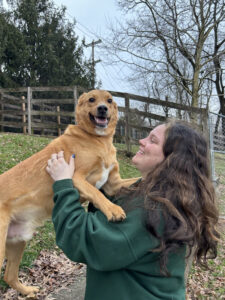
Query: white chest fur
(105, 175)
(100, 131)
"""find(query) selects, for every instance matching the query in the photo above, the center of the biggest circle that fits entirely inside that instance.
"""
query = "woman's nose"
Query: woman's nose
(142, 142)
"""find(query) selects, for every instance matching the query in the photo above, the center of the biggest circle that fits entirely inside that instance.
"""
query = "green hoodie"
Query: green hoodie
(120, 263)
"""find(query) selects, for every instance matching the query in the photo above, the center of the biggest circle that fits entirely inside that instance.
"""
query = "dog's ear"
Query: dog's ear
(82, 99)
(115, 105)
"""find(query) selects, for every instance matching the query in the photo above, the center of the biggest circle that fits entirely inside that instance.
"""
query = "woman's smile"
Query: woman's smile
(140, 152)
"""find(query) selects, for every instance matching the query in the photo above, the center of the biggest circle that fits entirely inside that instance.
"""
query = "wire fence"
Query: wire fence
(216, 124)
(216, 139)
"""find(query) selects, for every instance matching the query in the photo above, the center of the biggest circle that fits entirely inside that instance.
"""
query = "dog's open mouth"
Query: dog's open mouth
(99, 121)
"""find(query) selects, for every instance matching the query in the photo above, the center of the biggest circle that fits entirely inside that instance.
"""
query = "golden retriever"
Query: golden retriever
(26, 189)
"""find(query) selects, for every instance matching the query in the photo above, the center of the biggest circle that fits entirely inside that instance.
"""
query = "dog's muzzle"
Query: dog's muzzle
(101, 119)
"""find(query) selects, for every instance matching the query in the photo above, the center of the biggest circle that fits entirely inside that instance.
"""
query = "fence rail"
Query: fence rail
(48, 110)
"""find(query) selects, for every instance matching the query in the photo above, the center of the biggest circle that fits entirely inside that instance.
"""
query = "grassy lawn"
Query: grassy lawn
(220, 173)
(202, 284)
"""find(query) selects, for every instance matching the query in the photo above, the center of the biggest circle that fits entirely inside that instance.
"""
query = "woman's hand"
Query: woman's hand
(58, 168)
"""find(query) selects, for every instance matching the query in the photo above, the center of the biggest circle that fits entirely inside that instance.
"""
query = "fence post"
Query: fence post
(127, 129)
(58, 120)
(205, 123)
(42, 117)
(213, 175)
(75, 97)
(166, 108)
(24, 116)
(1, 114)
(29, 96)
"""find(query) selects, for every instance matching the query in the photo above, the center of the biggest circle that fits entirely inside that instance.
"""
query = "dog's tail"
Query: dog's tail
(4, 224)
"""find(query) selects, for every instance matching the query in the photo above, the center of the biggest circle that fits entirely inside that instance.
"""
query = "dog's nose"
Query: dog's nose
(102, 109)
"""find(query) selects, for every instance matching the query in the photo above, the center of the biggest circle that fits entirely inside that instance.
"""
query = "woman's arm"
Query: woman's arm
(91, 239)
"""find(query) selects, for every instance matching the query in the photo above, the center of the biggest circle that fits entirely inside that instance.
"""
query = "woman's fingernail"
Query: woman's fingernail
(73, 156)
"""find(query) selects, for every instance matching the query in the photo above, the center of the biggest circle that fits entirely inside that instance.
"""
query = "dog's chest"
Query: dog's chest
(104, 176)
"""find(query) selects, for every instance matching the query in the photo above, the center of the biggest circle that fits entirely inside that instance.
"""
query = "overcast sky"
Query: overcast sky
(92, 17)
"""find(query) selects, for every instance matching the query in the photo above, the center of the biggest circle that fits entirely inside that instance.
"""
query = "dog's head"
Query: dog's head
(96, 113)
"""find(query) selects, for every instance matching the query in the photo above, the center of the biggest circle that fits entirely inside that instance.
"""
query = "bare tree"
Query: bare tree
(169, 38)
(218, 61)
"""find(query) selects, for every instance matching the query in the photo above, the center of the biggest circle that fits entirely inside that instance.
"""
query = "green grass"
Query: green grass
(17, 147)
(220, 173)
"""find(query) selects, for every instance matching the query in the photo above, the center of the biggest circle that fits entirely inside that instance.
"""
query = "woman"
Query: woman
(170, 210)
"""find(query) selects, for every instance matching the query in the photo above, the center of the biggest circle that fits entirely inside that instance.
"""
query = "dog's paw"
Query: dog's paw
(31, 292)
(115, 213)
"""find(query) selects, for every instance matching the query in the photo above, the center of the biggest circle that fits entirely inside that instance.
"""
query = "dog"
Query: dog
(26, 189)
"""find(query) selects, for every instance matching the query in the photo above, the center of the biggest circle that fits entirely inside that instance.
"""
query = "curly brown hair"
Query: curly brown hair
(181, 187)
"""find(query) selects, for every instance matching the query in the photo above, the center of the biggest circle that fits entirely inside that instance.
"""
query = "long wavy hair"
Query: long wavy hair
(181, 187)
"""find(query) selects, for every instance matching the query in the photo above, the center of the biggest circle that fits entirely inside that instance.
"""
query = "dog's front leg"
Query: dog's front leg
(115, 182)
(88, 192)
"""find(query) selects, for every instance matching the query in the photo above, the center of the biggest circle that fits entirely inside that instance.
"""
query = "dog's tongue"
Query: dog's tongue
(101, 121)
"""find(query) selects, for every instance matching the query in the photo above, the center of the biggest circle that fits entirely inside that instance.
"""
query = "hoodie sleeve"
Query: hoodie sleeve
(89, 238)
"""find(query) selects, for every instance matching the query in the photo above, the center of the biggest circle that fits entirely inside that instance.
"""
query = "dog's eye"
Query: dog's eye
(92, 100)
(109, 100)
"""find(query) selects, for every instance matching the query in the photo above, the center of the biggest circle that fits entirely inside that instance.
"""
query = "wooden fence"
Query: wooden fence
(48, 110)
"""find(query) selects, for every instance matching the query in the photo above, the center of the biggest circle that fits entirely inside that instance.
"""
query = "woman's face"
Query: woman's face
(150, 151)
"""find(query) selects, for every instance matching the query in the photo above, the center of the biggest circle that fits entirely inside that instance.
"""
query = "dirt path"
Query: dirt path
(73, 292)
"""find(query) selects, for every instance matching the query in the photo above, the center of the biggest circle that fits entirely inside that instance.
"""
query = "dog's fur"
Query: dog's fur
(26, 189)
